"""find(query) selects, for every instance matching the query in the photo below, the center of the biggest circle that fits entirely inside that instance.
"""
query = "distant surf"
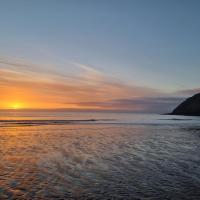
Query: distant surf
(6, 123)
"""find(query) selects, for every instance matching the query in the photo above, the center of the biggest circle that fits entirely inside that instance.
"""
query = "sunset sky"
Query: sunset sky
(136, 55)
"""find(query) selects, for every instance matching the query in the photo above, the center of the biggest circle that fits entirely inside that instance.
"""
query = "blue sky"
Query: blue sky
(141, 43)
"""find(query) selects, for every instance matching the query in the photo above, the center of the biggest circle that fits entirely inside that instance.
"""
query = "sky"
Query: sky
(125, 55)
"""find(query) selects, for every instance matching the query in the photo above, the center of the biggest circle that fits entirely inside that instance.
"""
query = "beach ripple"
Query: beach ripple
(100, 162)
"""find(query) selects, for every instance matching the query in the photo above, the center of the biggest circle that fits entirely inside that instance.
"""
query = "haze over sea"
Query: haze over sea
(98, 155)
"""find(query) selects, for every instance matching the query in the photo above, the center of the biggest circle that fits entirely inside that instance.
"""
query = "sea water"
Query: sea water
(87, 155)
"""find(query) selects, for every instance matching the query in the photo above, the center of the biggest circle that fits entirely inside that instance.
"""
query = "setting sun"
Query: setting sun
(16, 106)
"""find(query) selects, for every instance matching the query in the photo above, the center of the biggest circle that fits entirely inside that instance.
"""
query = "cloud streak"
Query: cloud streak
(142, 104)
(188, 92)
(41, 86)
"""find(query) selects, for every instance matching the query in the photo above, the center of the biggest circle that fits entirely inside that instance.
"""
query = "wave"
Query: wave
(177, 119)
(45, 122)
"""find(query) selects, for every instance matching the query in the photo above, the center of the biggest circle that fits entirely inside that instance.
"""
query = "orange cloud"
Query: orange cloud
(34, 86)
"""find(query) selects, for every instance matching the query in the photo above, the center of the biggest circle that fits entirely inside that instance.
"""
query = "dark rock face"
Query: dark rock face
(190, 107)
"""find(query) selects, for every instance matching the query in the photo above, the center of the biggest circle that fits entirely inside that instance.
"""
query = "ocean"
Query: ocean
(95, 155)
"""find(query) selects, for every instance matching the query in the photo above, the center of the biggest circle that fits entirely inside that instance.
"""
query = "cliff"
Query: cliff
(190, 107)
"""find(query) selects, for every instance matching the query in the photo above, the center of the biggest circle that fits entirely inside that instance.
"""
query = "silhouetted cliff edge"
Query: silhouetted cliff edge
(190, 107)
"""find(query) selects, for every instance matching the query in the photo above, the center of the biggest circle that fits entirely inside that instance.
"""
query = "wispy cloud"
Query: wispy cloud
(49, 86)
(142, 104)
(188, 92)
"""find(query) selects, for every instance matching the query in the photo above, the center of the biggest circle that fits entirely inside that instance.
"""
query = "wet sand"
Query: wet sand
(99, 161)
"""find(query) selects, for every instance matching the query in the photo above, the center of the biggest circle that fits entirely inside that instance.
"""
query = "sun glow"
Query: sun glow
(16, 106)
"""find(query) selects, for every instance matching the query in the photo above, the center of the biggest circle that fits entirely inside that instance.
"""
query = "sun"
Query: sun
(16, 106)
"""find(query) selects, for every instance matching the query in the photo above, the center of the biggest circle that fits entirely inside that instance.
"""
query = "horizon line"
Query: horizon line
(75, 110)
